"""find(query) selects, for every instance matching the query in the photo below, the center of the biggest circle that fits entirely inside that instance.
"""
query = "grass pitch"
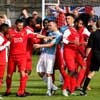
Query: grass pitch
(37, 87)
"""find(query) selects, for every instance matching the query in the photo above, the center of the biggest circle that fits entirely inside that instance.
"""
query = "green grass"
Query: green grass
(36, 86)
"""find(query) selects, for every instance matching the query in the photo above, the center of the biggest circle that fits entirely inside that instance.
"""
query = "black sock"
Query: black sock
(87, 81)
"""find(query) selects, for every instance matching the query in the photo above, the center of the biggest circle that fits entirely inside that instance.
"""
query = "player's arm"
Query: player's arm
(46, 38)
(43, 45)
(3, 46)
(51, 44)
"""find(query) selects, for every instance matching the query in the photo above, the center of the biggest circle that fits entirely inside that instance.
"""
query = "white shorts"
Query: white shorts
(46, 63)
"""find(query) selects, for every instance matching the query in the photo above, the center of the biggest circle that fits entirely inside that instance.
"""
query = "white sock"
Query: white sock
(45, 78)
(49, 83)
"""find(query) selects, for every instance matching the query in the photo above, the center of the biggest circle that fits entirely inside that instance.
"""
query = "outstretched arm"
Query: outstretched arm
(36, 46)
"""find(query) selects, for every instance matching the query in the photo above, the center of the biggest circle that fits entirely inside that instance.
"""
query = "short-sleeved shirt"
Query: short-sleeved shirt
(94, 41)
(3, 41)
(19, 41)
(94, 44)
(56, 40)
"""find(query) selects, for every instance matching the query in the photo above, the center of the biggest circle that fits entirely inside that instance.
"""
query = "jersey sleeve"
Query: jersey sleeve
(4, 46)
(3, 43)
(65, 36)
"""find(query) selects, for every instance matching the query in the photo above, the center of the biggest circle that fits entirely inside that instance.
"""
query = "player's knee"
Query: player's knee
(22, 74)
(91, 74)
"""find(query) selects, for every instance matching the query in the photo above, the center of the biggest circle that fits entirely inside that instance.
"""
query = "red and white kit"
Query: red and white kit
(3, 44)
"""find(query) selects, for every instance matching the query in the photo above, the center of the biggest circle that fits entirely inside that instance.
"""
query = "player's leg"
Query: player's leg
(2, 70)
(28, 71)
(23, 76)
(94, 66)
(49, 64)
(82, 63)
(40, 69)
(86, 83)
(11, 68)
(71, 65)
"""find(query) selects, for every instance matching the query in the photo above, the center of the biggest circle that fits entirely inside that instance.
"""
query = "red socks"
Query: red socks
(80, 77)
(8, 83)
(66, 84)
(22, 87)
(73, 84)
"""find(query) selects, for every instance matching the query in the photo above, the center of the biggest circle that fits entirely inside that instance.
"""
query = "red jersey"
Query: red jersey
(84, 34)
(70, 35)
(3, 41)
(30, 41)
(44, 31)
(19, 41)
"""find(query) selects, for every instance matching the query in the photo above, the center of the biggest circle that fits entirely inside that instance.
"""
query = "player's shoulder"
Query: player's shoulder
(28, 30)
(68, 30)
(86, 31)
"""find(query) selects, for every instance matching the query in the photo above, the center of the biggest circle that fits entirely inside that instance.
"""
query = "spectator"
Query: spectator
(6, 20)
(38, 21)
(60, 17)
(1, 20)
(76, 13)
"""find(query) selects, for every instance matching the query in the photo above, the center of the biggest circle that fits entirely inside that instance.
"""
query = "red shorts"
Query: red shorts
(16, 60)
(2, 70)
(71, 57)
(59, 61)
(29, 62)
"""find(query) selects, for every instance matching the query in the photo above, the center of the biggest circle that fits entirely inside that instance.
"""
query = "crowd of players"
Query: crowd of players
(64, 45)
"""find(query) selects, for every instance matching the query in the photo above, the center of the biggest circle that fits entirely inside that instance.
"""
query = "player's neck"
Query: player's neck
(55, 30)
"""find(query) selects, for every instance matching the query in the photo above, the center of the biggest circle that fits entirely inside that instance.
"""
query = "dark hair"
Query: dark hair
(2, 26)
(98, 23)
(1, 16)
(70, 14)
(45, 20)
(52, 21)
(85, 17)
(28, 20)
(19, 21)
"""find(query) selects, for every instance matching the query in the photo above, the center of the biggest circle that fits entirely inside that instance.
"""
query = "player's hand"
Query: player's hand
(36, 46)
(49, 38)
(85, 58)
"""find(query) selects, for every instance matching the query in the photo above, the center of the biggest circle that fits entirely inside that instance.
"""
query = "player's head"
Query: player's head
(85, 18)
(76, 13)
(4, 28)
(52, 25)
(79, 23)
(19, 24)
(45, 23)
(70, 18)
(31, 22)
